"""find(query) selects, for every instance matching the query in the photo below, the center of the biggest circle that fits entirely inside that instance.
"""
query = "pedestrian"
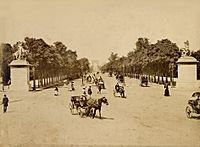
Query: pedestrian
(56, 91)
(99, 88)
(90, 91)
(84, 92)
(9, 82)
(2, 87)
(65, 82)
(5, 103)
(72, 86)
(166, 92)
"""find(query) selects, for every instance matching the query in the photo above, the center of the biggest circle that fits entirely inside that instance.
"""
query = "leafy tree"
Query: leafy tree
(85, 65)
(147, 58)
(5, 59)
(113, 57)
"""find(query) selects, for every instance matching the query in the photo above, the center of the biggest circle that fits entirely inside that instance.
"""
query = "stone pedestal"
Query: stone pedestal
(20, 75)
(187, 73)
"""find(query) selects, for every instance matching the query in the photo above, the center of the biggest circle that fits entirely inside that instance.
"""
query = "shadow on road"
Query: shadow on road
(144, 86)
(121, 97)
(196, 117)
(103, 117)
(10, 111)
(15, 101)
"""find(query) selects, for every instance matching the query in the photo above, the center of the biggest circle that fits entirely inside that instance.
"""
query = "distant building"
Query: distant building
(95, 65)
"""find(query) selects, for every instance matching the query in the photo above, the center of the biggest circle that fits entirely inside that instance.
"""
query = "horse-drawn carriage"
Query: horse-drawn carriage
(78, 105)
(86, 107)
(144, 81)
(120, 78)
(119, 91)
(193, 106)
(99, 83)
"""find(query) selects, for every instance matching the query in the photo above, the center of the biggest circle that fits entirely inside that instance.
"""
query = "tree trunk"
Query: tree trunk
(34, 84)
(162, 79)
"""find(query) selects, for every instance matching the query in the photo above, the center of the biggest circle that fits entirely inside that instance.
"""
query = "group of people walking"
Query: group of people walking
(56, 91)
(99, 82)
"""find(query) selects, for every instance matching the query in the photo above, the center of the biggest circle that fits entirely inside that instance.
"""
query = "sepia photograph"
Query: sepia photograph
(99, 73)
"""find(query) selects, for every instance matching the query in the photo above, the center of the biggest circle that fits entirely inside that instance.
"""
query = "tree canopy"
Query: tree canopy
(49, 60)
(147, 58)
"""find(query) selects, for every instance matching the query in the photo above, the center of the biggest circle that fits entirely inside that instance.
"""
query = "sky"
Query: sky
(95, 28)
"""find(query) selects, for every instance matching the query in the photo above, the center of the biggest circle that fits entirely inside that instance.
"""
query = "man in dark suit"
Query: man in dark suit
(5, 103)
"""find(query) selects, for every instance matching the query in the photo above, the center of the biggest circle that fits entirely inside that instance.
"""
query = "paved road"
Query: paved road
(146, 117)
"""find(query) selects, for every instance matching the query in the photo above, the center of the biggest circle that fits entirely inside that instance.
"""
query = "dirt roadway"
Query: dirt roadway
(146, 117)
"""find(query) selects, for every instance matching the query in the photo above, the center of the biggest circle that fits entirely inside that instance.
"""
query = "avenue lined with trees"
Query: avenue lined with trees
(49, 63)
(53, 63)
(151, 59)
(133, 112)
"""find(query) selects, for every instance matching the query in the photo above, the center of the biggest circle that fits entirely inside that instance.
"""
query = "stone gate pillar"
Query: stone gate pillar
(187, 73)
(20, 75)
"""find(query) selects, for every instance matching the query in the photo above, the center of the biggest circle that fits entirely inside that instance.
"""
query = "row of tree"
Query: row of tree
(156, 59)
(48, 61)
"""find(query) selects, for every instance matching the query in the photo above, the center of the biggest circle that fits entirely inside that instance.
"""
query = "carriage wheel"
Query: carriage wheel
(124, 96)
(91, 113)
(188, 111)
(80, 113)
(71, 108)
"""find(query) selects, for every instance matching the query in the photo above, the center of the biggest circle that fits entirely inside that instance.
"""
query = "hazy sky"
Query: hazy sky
(94, 28)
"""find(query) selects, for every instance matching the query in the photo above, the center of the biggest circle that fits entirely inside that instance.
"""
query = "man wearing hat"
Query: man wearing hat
(5, 103)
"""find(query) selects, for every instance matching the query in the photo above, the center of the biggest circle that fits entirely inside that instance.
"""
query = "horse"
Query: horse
(96, 105)
(20, 53)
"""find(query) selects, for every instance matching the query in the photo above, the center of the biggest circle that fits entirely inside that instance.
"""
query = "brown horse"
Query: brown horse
(96, 105)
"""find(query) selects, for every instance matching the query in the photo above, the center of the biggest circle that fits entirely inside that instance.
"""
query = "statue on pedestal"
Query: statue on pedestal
(19, 70)
(185, 51)
(21, 53)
